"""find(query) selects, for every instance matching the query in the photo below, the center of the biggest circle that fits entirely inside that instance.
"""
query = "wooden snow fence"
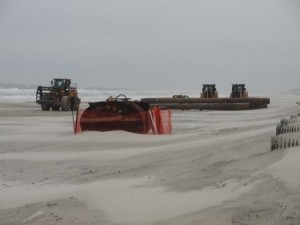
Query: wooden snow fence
(287, 133)
(283, 142)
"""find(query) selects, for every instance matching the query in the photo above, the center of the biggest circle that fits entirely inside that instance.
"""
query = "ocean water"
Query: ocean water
(18, 93)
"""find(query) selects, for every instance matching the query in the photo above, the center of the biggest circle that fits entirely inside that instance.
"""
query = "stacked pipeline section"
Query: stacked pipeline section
(208, 103)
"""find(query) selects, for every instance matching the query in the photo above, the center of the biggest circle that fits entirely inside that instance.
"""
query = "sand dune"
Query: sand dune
(216, 168)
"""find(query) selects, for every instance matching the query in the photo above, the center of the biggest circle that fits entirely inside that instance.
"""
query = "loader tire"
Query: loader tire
(45, 107)
(65, 103)
(55, 108)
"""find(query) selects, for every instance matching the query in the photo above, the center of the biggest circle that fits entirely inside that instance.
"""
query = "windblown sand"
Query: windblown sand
(216, 168)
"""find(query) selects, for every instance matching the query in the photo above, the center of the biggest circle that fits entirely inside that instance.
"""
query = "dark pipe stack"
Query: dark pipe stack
(209, 103)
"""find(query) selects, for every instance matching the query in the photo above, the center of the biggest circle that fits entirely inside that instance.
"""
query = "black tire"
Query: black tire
(45, 107)
(55, 108)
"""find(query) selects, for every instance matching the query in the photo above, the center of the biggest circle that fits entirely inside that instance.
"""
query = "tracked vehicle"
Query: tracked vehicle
(239, 91)
(59, 96)
(209, 91)
(209, 100)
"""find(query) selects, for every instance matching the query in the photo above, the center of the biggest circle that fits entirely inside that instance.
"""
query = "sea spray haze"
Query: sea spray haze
(22, 93)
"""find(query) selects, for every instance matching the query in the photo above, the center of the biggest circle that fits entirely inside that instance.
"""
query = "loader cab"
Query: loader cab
(209, 88)
(238, 87)
(61, 83)
(209, 91)
(239, 91)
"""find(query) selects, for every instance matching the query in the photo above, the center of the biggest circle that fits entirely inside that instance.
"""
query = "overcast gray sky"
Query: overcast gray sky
(160, 44)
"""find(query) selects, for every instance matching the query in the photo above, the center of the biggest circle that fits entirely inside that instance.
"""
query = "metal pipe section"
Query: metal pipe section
(209, 103)
(207, 100)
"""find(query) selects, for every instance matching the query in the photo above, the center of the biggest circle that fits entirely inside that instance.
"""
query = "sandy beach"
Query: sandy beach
(215, 169)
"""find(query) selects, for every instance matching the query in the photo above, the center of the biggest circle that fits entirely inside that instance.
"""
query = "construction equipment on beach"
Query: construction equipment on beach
(209, 91)
(209, 100)
(239, 91)
(60, 95)
(208, 103)
(120, 113)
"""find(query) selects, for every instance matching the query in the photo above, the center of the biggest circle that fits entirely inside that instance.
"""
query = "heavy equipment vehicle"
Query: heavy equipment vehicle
(239, 91)
(59, 96)
(120, 113)
(209, 100)
(209, 91)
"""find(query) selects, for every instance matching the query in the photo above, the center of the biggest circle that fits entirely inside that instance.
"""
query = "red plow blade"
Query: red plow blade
(130, 116)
